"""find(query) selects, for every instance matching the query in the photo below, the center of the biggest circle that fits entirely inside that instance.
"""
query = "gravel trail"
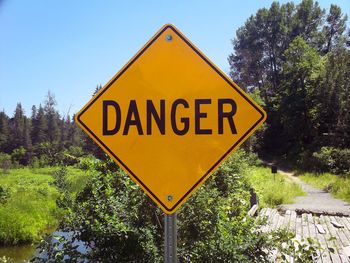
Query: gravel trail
(316, 201)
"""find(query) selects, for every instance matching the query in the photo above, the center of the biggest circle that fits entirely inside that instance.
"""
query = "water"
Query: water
(18, 254)
(24, 253)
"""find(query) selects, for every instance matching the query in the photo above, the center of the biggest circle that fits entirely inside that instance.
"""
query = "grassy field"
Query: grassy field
(338, 186)
(29, 207)
(273, 191)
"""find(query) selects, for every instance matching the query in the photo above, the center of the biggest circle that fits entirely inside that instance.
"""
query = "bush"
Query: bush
(4, 194)
(19, 155)
(87, 163)
(334, 160)
(71, 155)
(5, 162)
(118, 223)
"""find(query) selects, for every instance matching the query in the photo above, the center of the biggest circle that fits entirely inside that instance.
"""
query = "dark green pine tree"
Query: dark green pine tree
(4, 132)
(52, 116)
(334, 28)
(39, 126)
(74, 136)
(298, 79)
(17, 128)
(64, 126)
(27, 141)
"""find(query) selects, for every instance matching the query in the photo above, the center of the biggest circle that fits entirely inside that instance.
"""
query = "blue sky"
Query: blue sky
(68, 47)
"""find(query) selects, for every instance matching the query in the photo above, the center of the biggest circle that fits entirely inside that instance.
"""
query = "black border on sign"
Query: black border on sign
(216, 70)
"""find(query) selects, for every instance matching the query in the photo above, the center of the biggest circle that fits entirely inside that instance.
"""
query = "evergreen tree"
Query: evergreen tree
(296, 57)
(335, 27)
(17, 128)
(39, 127)
(52, 117)
(4, 132)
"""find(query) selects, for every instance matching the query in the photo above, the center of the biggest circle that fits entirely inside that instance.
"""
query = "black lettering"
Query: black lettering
(159, 118)
(116, 128)
(200, 115)
(132, 118)
(185, 121)
(229, 115)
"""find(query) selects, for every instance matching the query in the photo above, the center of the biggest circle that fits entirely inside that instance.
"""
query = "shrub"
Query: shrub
(5, 161)
(334, 160)
(4, 194)
(87, 162)
(71, 155)
(118, 223)
(19, 155)
(34, 162)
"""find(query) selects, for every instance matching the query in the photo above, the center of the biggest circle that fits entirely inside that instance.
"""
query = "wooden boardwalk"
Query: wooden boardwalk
(321, 228)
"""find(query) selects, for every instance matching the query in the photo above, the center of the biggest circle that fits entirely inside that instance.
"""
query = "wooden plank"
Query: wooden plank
(320, 229)
(262, 212)
(286, 221)
(271, 218)
(333, 231)
(334, 256)
(265, 212)
(253, 210)
(304, 226)
(335, 223)
(281, 223)
(340, 231)
(292, 222)
(346, 229)
(347, 219)
(313, 234)
(276, 218)
(298, 228)
(343, 258)
(325, 255)
(346, 251)
(341, 238)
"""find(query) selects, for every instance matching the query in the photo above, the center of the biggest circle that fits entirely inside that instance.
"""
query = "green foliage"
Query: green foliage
(4, 131)
(44, 139)
(87, 163)
(118, 223)
(302, 250)
(5, 162)
(296, 56)
(4, 194)
(329, 159)
(27, 212)
(28, 202)
(18, 155)
(265, 185)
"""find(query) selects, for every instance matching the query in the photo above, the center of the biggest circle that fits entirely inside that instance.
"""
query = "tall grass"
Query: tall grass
(30, 208)
(273, 190)
(336, 185)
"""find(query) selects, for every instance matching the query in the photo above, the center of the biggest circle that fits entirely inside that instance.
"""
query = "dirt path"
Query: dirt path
(315, 201)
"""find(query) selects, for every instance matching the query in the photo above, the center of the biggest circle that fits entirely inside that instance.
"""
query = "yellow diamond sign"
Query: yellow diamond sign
(169, 117)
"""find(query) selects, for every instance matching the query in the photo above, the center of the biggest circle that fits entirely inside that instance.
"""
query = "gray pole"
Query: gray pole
(170, 238)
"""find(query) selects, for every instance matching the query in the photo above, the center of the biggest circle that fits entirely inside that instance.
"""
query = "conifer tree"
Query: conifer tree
(52, 117)
(4, 132)
(39, 127)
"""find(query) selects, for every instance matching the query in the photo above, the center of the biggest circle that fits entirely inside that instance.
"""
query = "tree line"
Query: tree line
(44, 138)
(293, 59)
(297, 59)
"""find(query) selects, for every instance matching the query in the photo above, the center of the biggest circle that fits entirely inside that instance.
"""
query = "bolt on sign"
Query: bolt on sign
(169, 118)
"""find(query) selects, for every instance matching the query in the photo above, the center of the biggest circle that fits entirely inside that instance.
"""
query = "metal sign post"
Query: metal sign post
(170, 238)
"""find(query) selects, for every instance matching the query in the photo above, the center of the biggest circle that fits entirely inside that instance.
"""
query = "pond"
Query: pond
(18, 254)
(23, 253)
